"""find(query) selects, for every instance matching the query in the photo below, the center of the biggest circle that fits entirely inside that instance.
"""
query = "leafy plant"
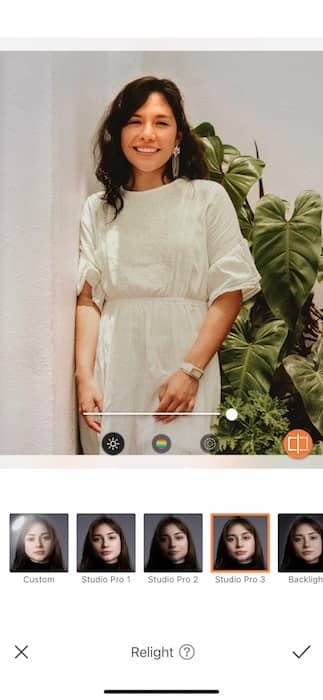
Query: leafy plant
(250, 355)
(259, 429)
(275, 347)
(226, 165)
(307, 376)
(287, 252)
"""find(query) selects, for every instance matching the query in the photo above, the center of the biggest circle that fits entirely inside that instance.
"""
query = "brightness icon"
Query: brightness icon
(113, 443)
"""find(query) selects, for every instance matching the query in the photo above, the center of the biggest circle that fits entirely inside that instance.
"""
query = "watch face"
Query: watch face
(191, 371)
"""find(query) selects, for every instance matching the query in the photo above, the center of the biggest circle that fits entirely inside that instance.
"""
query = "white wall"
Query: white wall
(26, 411)
(50, 106)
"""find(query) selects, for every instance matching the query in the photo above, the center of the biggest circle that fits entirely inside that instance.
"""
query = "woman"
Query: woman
(105, 547)
(304, 546)
(239, 546)
(163, 270)
(38, 547)
(172, 547)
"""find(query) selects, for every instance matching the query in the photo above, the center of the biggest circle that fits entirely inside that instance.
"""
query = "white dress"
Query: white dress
(154, 271)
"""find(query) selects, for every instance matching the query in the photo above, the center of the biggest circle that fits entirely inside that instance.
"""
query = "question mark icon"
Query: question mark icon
(186, 651)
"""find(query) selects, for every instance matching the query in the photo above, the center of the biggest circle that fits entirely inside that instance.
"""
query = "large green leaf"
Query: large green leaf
(243, 172)
(306, 374)
(235, 172)
(249, 359)
(229, 152)
(204, 129)
(214, 156)
(287, 252)
(245, 217)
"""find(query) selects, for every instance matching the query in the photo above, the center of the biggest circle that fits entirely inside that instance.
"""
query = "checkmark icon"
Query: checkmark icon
(299, 656)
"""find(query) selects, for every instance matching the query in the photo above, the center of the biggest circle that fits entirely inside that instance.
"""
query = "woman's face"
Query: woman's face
(38, 543)
(240, 544)
(106, 543)
(307, 543)
(148, 140)
(173, 543)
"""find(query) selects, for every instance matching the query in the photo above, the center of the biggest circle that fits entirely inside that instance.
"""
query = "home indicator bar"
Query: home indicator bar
(174, 691)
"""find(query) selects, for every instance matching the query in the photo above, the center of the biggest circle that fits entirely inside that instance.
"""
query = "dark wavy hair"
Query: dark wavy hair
(112, 168)
(291, 561)
(157, 561)
(91, 561)
(223, 559)
(22, 561)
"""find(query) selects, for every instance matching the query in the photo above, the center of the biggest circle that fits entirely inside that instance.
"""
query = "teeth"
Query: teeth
(146, 150)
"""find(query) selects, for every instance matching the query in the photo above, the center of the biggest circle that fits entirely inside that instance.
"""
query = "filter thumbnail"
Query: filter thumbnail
(300, 542)
(173, 543)
(38, 542)
(106, 542)
(240, 542)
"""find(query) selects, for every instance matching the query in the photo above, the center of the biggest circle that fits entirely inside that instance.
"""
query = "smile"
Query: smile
(146, 150)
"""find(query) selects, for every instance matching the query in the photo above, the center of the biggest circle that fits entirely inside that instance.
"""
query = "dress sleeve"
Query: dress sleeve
(89, 268)
(231, 266)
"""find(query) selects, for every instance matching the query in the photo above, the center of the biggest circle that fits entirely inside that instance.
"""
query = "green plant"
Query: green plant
(275, 345)
(307, 376)
(259, 429)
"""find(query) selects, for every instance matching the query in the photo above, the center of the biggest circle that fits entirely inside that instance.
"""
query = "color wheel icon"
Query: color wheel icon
(161, 443)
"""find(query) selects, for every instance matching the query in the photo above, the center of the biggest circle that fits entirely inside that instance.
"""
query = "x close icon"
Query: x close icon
(21, 652)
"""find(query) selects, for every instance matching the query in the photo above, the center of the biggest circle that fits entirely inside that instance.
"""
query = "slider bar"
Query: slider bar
(150, 413)
(162, 692)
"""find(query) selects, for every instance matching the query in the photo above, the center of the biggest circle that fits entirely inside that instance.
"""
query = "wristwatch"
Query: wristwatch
(191, 370)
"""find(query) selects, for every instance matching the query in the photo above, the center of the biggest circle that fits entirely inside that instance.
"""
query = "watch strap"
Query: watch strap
(192, 370)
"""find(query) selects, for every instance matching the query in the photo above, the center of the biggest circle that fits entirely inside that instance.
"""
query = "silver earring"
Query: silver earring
(175, 161)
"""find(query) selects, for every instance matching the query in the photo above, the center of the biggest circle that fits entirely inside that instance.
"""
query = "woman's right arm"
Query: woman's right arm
(89, 394)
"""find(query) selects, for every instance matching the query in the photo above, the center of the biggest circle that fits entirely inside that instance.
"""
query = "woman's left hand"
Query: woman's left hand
(177, 395)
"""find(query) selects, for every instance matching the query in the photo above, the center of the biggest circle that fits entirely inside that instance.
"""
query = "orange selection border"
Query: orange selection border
(241, 515)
